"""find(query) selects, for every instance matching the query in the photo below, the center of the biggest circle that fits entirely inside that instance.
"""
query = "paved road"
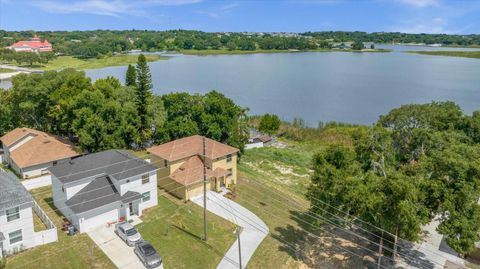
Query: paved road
(119, 253)
(254, 230)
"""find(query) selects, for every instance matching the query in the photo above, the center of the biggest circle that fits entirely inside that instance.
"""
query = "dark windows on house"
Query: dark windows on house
(13, 214)
(145, 178)
(229, 158)
(146, 196)
(15, 237)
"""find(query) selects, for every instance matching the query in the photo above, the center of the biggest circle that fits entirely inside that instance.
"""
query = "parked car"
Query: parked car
(128, 233)
(147, 254)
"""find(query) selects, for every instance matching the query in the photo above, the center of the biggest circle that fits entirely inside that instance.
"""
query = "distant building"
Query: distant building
(34, 45)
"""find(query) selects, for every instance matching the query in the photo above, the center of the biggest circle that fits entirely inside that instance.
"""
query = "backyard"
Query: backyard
(77, 251)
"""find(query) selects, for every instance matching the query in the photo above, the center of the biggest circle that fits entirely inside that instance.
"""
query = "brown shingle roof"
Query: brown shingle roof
(42, 148)
(191, 172)
(16, 134)
(191, 146)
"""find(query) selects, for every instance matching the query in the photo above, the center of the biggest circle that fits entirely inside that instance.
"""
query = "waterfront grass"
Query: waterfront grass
(63, 62)
(450, 53)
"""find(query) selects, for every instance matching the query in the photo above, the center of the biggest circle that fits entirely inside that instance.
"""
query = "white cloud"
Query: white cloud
(114, 8)
(220, 11)
(420, 3)
(433, 26)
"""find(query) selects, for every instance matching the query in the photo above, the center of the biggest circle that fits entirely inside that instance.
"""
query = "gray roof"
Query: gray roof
(131, 196)
(101, 191)
(12, 192)
(117, 164)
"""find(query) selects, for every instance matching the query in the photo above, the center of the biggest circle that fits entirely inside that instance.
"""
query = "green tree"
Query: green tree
(143, 94)
(131, 76)
(269, 123)
(357, 45)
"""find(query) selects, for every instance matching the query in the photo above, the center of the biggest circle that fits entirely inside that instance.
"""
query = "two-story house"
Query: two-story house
(102, 188)
(181, 165)
(30, 152)
(16, 215)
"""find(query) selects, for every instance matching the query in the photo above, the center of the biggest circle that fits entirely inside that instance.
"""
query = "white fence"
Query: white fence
(37, 182)
(47, 236)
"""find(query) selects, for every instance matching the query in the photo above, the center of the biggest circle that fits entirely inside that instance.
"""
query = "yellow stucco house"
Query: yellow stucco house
(180, 164)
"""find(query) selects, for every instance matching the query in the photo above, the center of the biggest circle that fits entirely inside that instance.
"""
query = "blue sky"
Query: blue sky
(411, 16)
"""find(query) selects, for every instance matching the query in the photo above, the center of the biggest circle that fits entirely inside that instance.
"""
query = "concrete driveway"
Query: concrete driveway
(119, 253)
(254, 230)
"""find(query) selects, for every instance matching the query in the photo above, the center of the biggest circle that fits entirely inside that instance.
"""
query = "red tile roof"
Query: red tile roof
(191, 146)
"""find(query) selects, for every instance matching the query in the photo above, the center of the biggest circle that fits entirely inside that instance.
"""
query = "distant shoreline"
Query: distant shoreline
(449, 53)
(239, 52)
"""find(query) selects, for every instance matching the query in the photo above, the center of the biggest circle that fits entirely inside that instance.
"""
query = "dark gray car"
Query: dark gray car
(147, 254)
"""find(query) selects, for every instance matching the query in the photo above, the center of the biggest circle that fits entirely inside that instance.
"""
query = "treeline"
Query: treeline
(22, 58)
(417, 164)
(104, 114)
(89, 44)
(385, 37)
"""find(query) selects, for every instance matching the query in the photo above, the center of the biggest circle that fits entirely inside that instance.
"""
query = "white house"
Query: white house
(16, 218)
(30, 152)
(102, 188)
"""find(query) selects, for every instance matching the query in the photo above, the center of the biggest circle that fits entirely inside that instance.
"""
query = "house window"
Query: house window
(13, 214)
(229, 158)
(230, 172)
(63, 188)
(145, 178)
(165, 163)
(55, 162)
(15, 237)
(146, 196)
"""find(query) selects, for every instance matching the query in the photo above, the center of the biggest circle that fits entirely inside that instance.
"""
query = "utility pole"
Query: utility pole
(204, 191)
(380, 252)
(239, 230)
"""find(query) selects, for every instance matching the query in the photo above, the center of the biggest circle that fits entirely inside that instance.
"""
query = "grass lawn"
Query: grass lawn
(62, 62)
(77, 251)
(176, 229)
(465, 54)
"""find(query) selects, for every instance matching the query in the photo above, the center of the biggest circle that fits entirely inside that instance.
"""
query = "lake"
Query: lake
(321, 86)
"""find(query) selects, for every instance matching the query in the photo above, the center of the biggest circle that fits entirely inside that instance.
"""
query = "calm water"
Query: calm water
(326, 86)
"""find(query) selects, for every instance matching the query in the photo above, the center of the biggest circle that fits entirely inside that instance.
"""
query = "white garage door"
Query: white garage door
(91, 223)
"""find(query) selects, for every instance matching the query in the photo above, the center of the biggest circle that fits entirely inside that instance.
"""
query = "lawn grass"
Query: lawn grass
(451, 53)
(77, 251)
(175, 229)
(63, 62)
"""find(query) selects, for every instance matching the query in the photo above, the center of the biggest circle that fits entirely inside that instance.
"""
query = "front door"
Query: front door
(130, 209)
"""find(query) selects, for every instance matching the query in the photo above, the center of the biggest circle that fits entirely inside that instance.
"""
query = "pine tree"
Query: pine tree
(131, 76)
(143, 92)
